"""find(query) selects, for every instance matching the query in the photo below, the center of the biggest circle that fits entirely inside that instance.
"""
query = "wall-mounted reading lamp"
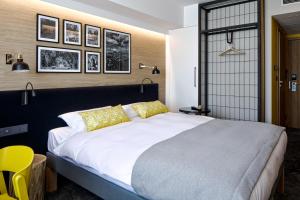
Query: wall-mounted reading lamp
(155, 69)
(19, 65)
(25, 94)
(142, 85)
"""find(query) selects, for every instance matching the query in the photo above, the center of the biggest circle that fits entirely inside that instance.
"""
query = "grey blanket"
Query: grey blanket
(219, 160)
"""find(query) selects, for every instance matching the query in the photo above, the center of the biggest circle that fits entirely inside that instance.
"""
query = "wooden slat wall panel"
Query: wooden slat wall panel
(18, 35)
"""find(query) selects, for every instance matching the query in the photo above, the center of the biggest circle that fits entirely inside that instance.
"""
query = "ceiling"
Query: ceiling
(156, 15)
(186, 2)
(289, 22)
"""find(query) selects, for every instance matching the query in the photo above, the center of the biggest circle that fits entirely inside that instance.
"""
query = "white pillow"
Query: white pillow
(129, 111)
(57, 136)
(75, 121)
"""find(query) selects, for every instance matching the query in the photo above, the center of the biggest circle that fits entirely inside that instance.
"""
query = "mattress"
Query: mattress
(261, 191)
(264, 185)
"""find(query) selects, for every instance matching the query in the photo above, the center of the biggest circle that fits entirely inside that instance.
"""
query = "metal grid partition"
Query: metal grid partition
(230, 84)
(290, 1)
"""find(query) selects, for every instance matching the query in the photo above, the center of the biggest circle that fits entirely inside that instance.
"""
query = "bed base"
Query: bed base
(91, 182)
(278, 186)
(281, 181)
(103, 188)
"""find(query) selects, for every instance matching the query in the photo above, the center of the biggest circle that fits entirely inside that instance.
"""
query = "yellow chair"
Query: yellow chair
(16, 159)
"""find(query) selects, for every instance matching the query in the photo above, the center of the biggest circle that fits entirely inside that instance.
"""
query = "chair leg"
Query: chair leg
(11, 191)
(51, 180)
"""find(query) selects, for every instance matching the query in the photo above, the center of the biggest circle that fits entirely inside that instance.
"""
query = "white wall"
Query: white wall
(273, 7)
(164, 10)
(154, 15)
(191, 15)
(190, 19)
(182, 55)
(169, 98)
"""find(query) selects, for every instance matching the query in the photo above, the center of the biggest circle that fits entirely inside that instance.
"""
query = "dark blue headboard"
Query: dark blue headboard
(42, 111)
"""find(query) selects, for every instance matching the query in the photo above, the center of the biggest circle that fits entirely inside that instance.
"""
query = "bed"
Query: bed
(103, 161)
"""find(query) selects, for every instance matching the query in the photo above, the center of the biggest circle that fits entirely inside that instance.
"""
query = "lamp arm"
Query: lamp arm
(29, 84)
(145, 79)
(32, 89)
(10, 59)
(14, 57)
(142, 66)
(142, 85)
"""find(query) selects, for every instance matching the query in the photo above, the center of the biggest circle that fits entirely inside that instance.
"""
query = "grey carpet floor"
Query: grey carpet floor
(70, 191)
(292, 167)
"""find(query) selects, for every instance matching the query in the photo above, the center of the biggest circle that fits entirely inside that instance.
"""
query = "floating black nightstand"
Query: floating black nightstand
(190, 110)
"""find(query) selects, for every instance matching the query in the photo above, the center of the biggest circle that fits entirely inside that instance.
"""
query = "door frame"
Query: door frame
(275, 69)
(278, 34)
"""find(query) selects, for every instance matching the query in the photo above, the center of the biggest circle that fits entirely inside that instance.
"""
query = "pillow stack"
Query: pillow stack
(90, 120)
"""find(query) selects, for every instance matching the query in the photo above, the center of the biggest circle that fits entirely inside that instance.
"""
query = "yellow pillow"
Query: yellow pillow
(148, 109)
(97, 119)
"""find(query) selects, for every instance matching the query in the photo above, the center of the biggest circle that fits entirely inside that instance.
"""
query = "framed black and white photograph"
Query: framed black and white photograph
(117, 52)
(51, 59)
(72, 33)
(92, 36)
(92, 62)
(47, 28)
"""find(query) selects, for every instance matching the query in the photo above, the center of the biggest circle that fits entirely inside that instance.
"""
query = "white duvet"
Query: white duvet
(113, 151)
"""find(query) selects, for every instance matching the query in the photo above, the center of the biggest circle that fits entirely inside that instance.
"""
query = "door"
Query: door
(183, 77)
(292, 91)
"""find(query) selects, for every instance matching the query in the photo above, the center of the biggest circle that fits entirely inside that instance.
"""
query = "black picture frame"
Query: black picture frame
(105, 50)
(39, 34)
(52, 70)
(65, 21)
(87, 44)
(86, 70)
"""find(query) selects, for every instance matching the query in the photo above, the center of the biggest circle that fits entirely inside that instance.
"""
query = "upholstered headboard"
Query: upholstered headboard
(42, 111)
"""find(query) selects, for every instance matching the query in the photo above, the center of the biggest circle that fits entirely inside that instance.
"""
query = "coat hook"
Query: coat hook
(229, 40)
